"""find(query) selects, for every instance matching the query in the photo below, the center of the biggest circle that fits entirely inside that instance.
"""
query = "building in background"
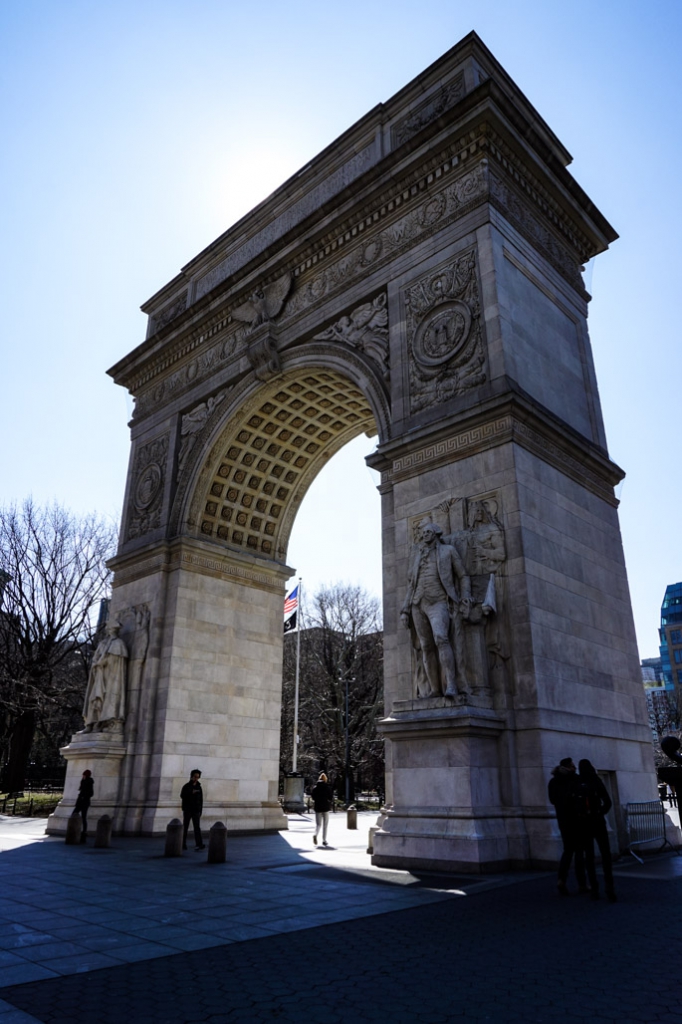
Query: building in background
(670, 635)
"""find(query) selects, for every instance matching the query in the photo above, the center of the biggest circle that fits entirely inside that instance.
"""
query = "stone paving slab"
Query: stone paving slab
(66, 909)
(343, 940)
(512, 953)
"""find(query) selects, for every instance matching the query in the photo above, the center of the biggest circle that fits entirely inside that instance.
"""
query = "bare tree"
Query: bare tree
(53, 575)
(667, 715)
(341, 646)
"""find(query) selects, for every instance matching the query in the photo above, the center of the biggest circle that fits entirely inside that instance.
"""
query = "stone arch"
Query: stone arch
(445, 220)
(254, 470)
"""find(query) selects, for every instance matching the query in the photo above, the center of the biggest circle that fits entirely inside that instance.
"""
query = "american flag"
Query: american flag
(290, 611)
(291, 602)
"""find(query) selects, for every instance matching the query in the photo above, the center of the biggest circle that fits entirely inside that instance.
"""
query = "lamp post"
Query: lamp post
(348, 680)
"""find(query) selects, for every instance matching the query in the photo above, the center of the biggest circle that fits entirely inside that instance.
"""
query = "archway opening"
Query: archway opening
(268, 455)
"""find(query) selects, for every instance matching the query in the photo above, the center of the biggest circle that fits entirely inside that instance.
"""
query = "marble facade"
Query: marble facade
(419, 280)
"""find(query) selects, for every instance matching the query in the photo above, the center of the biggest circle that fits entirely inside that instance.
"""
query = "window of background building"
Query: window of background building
(678, 656)
(676, 636)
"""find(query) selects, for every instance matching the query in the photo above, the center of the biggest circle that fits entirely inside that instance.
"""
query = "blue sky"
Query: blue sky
(135, 133)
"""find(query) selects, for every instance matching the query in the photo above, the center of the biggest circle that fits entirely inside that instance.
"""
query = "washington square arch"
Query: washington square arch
(420, 280)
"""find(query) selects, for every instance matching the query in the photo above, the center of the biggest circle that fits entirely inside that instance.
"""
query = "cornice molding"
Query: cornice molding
(204, 558)
(504, 420)
(418, 182)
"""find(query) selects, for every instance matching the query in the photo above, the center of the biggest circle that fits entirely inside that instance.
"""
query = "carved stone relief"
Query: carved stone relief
(146, 496)
(265, 303)
(471, 578)
(445, 347)
(445, 98)
(366, 328)
(193, 423)
(170, 312)
(371, 251)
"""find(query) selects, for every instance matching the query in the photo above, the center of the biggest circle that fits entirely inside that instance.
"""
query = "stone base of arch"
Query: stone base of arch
(207, 696)
(447, 812)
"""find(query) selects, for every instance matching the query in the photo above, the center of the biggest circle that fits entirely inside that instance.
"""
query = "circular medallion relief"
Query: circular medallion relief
(442, 334)
(148, 486)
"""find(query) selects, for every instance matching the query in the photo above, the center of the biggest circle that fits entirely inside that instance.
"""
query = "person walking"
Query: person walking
(322, 795)
(86, 791)
(192, 798)
(564, 793)
(596, 805)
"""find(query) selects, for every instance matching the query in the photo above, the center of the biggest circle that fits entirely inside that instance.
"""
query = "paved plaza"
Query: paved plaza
(285, 931)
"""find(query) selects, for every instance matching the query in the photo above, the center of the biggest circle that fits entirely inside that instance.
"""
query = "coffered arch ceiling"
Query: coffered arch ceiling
(268, 454)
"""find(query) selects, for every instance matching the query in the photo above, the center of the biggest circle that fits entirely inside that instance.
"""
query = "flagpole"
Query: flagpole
(298, 669)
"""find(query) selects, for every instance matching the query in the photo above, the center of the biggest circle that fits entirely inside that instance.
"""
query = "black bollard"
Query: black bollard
(217, 843)
(173, 839)
(352, 817)
(103, 834)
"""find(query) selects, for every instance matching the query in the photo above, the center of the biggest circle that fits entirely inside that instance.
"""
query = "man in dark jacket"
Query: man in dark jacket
(564, 793)
(322, 795)
(192, 805)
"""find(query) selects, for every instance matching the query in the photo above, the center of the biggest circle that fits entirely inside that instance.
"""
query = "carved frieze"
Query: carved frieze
(446, 354)
(366, 328)
(368, 245)
(437, 210)
(520, 215)
(451, 93)
(146, 495)
(307, 204)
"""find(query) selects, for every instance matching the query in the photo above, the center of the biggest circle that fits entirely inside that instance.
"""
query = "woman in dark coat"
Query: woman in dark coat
(85, 793)
(597, 804)
(323, 796)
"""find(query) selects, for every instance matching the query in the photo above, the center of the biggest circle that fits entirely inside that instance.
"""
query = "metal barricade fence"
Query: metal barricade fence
(645, 823)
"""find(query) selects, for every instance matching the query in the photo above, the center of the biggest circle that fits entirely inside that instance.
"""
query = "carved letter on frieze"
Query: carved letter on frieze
(366, 328)
(445, 345)
(454, 594)
(147, 490)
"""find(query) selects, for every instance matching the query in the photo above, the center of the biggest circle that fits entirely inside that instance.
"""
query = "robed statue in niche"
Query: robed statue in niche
(105, 696)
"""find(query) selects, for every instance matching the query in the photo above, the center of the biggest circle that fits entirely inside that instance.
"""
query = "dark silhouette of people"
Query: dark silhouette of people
(564, 793)
(86, 791)
(595, 805)
(192, 798)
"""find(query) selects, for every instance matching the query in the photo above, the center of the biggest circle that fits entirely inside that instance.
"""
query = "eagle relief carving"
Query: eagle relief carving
(259, 312)
(366, 328)
(265, 303)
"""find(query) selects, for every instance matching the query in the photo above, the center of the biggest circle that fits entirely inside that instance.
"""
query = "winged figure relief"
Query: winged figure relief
(365, 328)
(265, 303)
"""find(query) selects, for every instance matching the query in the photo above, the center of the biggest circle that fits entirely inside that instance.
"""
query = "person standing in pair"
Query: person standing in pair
(564, 793)
(322, 795)
(192, 805)
(597, 804)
